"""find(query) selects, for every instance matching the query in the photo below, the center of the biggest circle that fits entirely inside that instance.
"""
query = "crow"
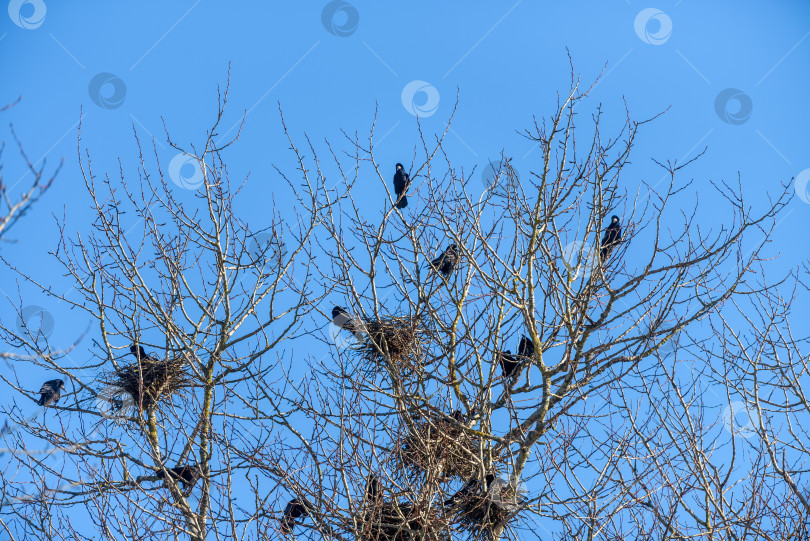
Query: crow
(458, 416)
(526, 347)
(472, 486)
(296, 508)
(50, 392)
(342, 319)
(612, 237)
(508, 363)
(401, 182)
(373, 488)
(140, 353)
(188, 475)
(446, 262)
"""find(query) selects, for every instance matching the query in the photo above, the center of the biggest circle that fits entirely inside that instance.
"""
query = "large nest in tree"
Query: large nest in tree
(394, 521)
(481, 511)
(441, 446)
(148, 380)
(394, 338)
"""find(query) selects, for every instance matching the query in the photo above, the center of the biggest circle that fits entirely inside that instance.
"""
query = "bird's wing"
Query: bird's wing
(47, 387)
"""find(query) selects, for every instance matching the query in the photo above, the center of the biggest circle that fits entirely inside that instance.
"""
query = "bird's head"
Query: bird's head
(399, 166)
(454, 247)
(614, 219)
(336, 311)
(138, 351)
(60, 384)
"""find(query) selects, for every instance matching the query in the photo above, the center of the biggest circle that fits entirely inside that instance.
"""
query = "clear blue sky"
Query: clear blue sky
(507, 60)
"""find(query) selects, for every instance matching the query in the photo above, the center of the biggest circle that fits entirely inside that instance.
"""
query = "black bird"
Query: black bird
(446, 262)
(472, 486)
(612, 237)
(526, 347)
(341, 318)
(188, 475)
(373, 488)
(296, 508)
(508, 363)
(140, 353)
(458, 416)
(401, 182)
(50, 392)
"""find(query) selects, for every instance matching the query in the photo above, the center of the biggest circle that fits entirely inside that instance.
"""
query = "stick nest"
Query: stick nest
(149, 381)
(440, 446)
(394, 338)
(484, 511)
(394, 521)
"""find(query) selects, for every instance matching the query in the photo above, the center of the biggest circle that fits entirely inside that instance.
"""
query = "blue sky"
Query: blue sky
(506, 61)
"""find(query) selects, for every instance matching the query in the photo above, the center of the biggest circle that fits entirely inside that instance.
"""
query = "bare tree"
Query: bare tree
(211, 301)
(492, 366)
(564, 424)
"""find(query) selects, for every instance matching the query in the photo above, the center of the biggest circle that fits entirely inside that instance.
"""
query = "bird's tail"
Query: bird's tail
(403, 202)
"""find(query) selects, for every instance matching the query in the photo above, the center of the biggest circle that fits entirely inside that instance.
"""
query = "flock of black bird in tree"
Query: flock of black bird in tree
(445, 264)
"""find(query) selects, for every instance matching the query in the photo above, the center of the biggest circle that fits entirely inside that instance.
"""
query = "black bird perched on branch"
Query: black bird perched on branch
(373, 488)
(526, 347)
(50, 392)
(140, 353)
(472, 486)
(446, 262)
(401, 182)
(508, 363)
(296, 508)
(188, 475)
(612, 237)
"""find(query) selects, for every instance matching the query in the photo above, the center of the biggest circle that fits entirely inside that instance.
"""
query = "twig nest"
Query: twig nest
(486, 506)
(149, 381)
(441, 446)
(396, 521)
(394, 338)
